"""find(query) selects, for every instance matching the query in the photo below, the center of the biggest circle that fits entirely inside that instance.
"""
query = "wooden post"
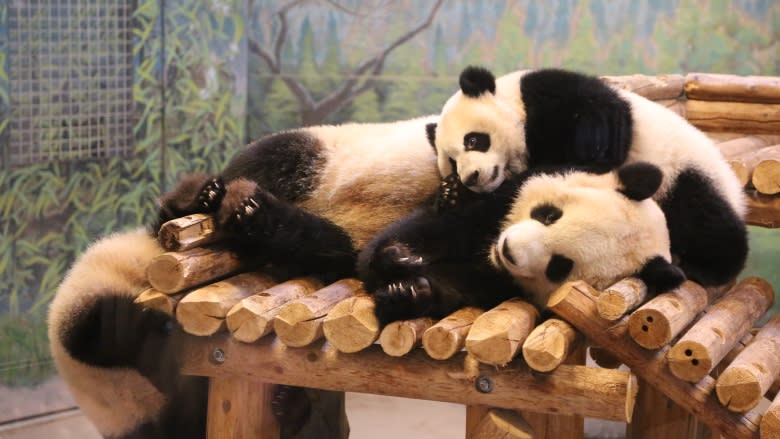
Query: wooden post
(299, 322)
(202, 312)
(172, 272)
(399, 338)
(501, 423)
(745, 381)
(722, 87)
(734, 116)
(253, 317)
(351, 325)
(496, 336)
(153, 299)
(652, 87)
(661, 319)
(239, 409)
(549, 344)
(575, 302)
(770, 423)
(728, 320)
(448, 336)
(625, 295)
(187, 232)
(656, 416)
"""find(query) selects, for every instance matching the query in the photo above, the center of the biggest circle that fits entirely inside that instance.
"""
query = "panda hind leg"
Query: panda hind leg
(660, 276)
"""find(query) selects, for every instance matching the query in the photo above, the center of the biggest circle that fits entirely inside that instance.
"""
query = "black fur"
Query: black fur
(195, 193)
(477, 80)
(475, 141)
(558, 268)
(430, 133)
(660, 276)
(707, 236)
(574, 119)
(640, 180)
(546, 214)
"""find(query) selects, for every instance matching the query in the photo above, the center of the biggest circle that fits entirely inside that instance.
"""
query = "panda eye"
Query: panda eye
(546, 214)
(474, 141)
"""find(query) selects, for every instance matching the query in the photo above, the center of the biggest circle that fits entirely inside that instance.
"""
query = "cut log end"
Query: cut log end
(617, 300)
(194, 321)
(549, 344)
(649, 328)
(689, 361)
(738, 389)
(770, 422)
(399, 338)
(165, 273)
(247, 326)
(351, 325)
(502, 423)
(296, 326)
(766, 177)
(441, 344)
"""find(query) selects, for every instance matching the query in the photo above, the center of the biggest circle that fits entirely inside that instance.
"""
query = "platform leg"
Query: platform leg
(240, 408)
(658, 417)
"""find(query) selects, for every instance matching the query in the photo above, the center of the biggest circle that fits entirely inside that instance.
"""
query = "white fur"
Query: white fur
(115, 400)
(597, 224)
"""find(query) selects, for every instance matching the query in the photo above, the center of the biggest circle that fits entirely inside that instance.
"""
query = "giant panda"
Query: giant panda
(492, 128)
(536, 230)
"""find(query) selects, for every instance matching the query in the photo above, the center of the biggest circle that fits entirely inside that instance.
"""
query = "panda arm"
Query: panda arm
(195, 193)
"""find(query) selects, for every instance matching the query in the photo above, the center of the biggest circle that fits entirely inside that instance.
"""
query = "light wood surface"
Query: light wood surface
(497, 335)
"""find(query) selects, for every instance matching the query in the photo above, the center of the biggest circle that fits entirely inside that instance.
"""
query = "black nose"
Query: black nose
(507, 254)
(472, 179)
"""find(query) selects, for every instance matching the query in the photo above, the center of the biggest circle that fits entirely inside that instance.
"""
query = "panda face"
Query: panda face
(577, 226)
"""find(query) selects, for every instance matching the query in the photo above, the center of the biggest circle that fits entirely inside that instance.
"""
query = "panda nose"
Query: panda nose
(507, 254)
(472, 179)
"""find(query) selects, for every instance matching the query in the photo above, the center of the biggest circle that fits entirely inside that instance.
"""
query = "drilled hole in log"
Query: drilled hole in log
(688, 352)
(645, 328)
(695, 362)
(650, 319)
(719, 333)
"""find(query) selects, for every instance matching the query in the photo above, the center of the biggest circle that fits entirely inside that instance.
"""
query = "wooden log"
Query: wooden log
(351, 325)
(763, 210)
(299, 322)
(656, 416)
(766, 174)
(496, 336)
(502, 423)
(721, 87)
(734, 116)
(659, 321)
(568, 390)
(676, 105)
(774, 388)
(625, 295)
(652, 87)
(723, 136)
(603, 357)
(728, 320)
(770, 423)
(744, 165)
(203, 311)
(549, 344)
(575, 302)
(448, 335)
(399, 338)
(240, 408)
(745, 381)
(173, 272)
(745, 144)
(187, 232)
(153, 299)
(253, 317)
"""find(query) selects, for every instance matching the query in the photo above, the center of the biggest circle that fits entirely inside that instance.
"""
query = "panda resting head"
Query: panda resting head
(584, 226)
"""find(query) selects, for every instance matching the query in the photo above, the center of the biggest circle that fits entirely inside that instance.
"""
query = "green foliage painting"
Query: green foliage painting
(208, 75)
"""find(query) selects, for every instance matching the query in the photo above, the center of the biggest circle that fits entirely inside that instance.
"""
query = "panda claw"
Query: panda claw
(211, 195)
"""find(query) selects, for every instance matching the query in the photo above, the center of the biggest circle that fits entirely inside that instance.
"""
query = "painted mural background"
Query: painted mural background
(208, 75)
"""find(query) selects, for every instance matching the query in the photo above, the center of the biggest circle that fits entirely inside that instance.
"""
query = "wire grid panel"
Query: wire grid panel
(71, 80)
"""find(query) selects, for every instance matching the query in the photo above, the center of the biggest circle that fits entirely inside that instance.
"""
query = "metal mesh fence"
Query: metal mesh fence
(71, 79)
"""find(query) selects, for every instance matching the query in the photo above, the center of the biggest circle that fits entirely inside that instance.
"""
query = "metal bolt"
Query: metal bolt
(218, 355)
(484, 384)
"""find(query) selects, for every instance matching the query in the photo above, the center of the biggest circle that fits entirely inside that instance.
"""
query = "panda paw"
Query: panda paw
(211, 194)
(402, 300)
(448, 194)
(290, 405)
(398, 260)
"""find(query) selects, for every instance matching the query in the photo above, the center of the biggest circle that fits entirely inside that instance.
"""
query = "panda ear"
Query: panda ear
(639, 180)
(430, 132)
(477, 80)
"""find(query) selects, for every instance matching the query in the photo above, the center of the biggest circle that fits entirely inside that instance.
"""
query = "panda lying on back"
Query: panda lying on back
(492, 129)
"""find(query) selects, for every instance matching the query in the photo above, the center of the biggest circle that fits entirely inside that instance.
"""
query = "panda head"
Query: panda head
(478, 133)
(584, 226)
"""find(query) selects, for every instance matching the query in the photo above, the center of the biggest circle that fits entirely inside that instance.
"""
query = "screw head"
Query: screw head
(484, 384)
(218, 355)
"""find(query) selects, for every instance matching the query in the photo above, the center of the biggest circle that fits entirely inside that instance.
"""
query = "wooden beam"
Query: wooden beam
(239, 409)
(734, 116)
(652, 87)
(721, 87)
(187, 232)
(497, 335)
(569, 390)
(576, 302)
(172, 272)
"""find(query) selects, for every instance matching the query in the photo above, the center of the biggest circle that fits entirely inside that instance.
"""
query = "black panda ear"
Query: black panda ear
(477, 80)
(430, 132)
(640, 180)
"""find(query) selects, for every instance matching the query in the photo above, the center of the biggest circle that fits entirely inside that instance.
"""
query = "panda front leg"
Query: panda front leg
(195, 193)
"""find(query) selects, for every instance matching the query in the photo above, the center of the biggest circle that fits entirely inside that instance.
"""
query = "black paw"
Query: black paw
(211, 195)
(291, 405)
(403, 300)
(398, 260)
(449, 192)
(245, 211)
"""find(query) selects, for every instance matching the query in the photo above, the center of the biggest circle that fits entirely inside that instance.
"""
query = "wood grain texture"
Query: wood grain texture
(448, 335)
(615, 301)
(173, 272)
(497, 335)
(733, 116)
(652, 87)
(399, 338)
(724, 87)
(187, 232)
(549, 344)
(239, 409)
(351, 325)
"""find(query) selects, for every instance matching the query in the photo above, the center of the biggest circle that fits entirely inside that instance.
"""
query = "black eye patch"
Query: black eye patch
(558, 268)
(546, 214)
(474, 141)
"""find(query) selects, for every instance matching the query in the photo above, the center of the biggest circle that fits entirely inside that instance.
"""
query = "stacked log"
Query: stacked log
(625, 295)
(187, 232)
(497, 335)
(448, 336)
(154, 299)
(399, 338)
(549, 344)
(351, 325)
(173, 272)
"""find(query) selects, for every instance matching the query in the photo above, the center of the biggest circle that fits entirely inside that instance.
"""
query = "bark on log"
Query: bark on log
(575, 302)
(173, 272)
(549, 344)
(240, 409)
(659, 321)
(745, 381)
(399, 338)
(744, 165)
(709, 340)
(763, 210)
(187, 232)
(253, 317)
(299, 323)
(603, 357)
(770, 423)
(652, 87)
(568, 390)
(625, 295)
(351, 325)
(497, 335)
(720, 87)
(203, 311)
(502, 423)
(153, 299)
(448, 336)
(734, 116)
(745, 144)
(766, 174)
